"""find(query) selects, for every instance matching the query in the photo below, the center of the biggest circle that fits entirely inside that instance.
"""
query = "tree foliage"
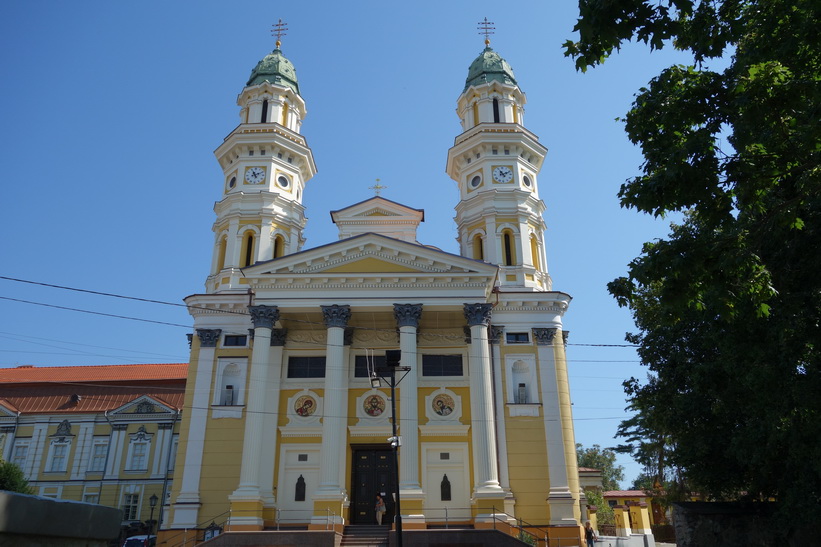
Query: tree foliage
(604, 513)
(12, 478)
(603, 459)
(728, 306)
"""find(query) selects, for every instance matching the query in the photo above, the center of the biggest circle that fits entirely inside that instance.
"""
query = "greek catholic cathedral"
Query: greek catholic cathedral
(285, 423)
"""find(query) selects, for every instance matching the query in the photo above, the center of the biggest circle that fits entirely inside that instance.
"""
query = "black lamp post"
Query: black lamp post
(152, 502)
(392, 360)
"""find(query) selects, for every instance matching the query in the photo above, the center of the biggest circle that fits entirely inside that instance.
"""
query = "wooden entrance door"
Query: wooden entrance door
(372, 475)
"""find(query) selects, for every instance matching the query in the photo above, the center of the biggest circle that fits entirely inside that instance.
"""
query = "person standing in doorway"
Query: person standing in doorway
(380, 509)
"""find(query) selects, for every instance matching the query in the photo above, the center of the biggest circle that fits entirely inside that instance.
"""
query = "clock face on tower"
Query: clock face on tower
(255, 175)
(502, 174)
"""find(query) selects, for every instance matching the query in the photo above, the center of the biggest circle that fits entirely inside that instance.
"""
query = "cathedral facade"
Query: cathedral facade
(284, 424)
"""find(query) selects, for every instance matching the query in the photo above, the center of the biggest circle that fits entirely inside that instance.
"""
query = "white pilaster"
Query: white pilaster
(407, 318)
(269, 448)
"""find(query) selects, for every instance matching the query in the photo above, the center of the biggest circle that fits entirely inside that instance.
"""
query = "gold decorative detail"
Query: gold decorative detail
(442, 404)
(374, 405)
(305, 406)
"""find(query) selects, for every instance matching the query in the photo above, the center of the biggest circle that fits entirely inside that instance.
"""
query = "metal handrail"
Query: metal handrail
(200, 526)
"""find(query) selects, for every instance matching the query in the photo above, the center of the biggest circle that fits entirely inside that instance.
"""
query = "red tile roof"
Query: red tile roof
(101, 373)
(77, 390)
(625, 494)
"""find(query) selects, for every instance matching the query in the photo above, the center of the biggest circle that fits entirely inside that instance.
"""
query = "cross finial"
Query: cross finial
(485, 27)
(378, 187)
(278, 30)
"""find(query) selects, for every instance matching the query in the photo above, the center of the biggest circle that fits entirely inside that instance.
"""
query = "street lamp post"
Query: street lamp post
(388, 374)
(152, 502)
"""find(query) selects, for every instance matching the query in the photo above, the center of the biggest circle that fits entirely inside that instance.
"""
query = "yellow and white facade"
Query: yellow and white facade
(284, 426)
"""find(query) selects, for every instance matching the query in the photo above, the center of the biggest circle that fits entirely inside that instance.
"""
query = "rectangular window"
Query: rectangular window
(517, 338)
(306, 367)
(139, 456)
(360, 367)
(91, 498)
(131, 504)
(98, 456)
(235, 340)
(442, 365)
(21, 452)
(59, 455)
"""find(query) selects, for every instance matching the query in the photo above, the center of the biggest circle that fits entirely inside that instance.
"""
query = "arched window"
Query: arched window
(534, 253)
(248, 249)
(445, 489)
(221, 256)
(279, 247)
(507, 248)
(264, 117)
(299, 494)
(475, 113)
(285, 114)
(478, 247)
(495, 110)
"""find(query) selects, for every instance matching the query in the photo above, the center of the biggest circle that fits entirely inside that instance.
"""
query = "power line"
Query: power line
(94, 312)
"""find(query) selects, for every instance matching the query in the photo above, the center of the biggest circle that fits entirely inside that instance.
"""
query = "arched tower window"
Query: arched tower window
(279, 247)
(495, 110)
(223, 245)
(285, 114)
(534, 253)
(507, 248)
(247, 249)
(478, 247)
(264, 117)
(475, 113)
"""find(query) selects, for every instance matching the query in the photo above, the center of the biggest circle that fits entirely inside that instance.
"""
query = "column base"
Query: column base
(562, 508)
(246, 514)
(185, 514)
(413, 503)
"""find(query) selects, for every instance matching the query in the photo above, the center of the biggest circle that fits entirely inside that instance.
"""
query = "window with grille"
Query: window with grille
(131, 506)
(306, 367)
(442, 365)
(139, 456)
(59, 458)
(98, 456)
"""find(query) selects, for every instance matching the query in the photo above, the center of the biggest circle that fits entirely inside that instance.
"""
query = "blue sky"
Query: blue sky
(111, 111)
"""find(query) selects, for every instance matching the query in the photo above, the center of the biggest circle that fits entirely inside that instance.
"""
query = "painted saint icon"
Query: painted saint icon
(443, 404)
(305, 406)
(374, 405)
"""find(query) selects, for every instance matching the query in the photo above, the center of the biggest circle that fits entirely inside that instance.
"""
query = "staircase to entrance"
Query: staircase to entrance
(365, 536)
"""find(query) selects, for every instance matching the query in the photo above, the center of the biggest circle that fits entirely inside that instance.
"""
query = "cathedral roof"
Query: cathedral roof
(276, 69)
(487, 67)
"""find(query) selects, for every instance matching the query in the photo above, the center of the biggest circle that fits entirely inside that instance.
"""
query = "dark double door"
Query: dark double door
(372, 475)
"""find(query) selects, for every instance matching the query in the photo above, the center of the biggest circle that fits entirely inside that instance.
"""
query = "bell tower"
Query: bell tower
(266, 164)
(496, 163)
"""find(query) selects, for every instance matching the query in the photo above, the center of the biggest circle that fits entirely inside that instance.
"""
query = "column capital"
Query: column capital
(407, 315)
(209, 337)
(264, 316)
(119, 427)
(165, 426)
(495, 334)
(565, 336)
(278, 337)
(478, 314)
(544, 337)
(336, 315)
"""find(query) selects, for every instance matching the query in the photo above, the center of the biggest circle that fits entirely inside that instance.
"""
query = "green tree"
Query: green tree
(728, 306)
(604, 513)
(603, 459)
(12, 478)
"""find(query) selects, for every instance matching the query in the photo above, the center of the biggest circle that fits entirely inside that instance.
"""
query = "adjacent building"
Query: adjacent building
(98, 434)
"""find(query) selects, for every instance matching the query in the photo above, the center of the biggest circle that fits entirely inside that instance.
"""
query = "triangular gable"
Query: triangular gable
(143, 405)
(7, 410)
(371, 254)
(381, 216)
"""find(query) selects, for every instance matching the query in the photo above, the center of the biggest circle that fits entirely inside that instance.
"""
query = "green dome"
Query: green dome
(275, 69)
(487, 67)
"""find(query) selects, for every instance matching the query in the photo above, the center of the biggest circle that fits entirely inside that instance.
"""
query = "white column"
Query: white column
(334, 404)
(560, 498)
(9, 436)
(481, 402)
(115, 450)
(407, 318)
(501, 431)
(269, 448)
(265, 244)
(165, 435)
(186, 506)
(263, 318)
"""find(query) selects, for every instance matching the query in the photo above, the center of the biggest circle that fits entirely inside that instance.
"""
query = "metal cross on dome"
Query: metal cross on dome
(278, 30)
(485, 27)
(377, 187)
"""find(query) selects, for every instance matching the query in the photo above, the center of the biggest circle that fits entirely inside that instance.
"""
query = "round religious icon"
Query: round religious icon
(305, 405)
(374, 405)
(443, 404)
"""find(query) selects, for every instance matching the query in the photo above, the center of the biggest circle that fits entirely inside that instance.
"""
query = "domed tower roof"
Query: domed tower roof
(276, 69)
(487, 67)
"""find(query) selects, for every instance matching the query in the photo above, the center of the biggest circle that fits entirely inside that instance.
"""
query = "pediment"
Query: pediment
(7, 410)
(372, 255)
(142, 406)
